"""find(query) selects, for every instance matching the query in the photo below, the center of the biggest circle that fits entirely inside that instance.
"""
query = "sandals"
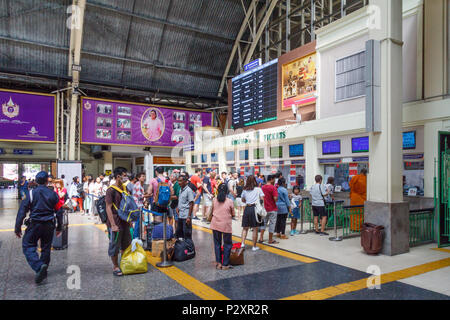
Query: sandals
(218, 266)
(226, 267)
(273, 242)
(260, 241)
(118, 273)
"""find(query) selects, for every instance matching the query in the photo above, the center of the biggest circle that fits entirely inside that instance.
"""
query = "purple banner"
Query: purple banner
(123, 123)
(27, 117)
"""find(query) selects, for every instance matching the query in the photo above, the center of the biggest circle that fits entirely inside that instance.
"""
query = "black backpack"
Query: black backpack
(183, 250)
(101, 209)
(80, 189)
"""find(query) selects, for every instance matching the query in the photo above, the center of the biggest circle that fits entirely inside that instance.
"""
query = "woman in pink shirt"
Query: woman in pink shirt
(223, 212)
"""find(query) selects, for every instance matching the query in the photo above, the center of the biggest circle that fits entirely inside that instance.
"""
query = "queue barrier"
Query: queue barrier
(421, 226)
(352, 219)
(330, 208)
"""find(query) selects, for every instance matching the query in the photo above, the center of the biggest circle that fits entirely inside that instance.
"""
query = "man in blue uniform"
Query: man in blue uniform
(42, 202)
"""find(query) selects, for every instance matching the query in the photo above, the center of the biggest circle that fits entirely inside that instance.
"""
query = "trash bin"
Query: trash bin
(372, 238)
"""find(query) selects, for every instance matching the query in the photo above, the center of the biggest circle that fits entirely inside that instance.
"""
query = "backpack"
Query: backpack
(128, 210)
(80, 189)
(162, 193)
(101, 209)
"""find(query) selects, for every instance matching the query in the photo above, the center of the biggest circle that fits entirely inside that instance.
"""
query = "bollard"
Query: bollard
(164, 263)
(335, 238)
(302, 214)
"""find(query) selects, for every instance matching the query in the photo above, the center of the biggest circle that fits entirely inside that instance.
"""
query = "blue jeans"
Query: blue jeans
(227, 245)
(38, 231)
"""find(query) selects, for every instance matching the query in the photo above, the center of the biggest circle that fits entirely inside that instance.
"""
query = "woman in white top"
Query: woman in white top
(250, 196)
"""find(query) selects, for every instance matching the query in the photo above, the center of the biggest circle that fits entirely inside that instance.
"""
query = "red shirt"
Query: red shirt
(195, 179)
(269, 193)
(213, 185)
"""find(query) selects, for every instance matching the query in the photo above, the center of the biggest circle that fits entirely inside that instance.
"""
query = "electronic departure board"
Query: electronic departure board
(254, 96)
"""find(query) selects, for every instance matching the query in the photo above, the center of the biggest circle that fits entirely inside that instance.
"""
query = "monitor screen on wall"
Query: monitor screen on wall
(243, 155)
(360, 144)
(214, 157)
(331, 147)
(276, 152)
(409, 140)
(230, 156)
(258, 153)
(296, 150)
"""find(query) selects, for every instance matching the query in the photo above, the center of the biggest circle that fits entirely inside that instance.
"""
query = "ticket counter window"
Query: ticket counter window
(413, 177)
(341, 173)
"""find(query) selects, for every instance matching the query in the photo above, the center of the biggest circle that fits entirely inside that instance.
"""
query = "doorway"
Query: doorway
(442, 190)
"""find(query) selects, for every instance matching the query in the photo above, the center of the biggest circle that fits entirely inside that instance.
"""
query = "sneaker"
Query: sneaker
(292, 233)
(296, 232)
(195, 218)
(316, 232)
(255, 249)
(324, 234)
(41, 274)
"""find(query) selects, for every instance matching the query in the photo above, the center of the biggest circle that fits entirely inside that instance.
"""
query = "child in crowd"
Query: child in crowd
(295, 214)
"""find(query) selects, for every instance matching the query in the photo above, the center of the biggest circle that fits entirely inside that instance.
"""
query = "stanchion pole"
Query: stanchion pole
(164, 263)
(301, 217)
(335, 238)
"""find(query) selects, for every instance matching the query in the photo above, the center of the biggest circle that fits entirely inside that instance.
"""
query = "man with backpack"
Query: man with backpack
(118, 229)
(161, 192)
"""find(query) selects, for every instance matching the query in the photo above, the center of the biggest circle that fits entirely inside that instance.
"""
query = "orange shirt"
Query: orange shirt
(195, 179)
(358, 187)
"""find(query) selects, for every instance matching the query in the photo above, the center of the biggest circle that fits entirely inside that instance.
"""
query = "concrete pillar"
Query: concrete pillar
(108, 161)
(148, 167)
(222, 160)
(435, 25)
(73, 123)
(312, 167)
(384, 205)
(431, 137)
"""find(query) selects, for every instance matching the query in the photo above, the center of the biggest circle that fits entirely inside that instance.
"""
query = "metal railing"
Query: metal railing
(330, 208)
(421, 226)
(352, 219)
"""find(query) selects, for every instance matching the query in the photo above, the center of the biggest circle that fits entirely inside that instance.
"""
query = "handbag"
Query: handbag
(210, 216)
(260, 211)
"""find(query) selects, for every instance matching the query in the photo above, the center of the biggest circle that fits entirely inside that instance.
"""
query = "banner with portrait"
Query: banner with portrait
(299, 82)
(27, 116)
(109, 122)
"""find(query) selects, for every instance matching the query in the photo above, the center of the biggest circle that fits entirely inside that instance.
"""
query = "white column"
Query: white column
(108, 161)
(312, 167)
(431, 130)
(385, 161)
(148, 167)
(222, 159)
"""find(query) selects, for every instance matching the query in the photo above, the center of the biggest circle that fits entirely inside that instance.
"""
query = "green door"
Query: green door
(443, 190)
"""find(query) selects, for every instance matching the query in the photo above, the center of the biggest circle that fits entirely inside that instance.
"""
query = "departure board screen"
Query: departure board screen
(254, 96)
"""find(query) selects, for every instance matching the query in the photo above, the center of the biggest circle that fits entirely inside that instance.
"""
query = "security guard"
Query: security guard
(43, 204)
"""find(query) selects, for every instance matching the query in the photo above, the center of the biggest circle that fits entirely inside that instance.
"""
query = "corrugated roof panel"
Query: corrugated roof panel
(101, 69)
(36, 20)
(33, 59)
(144, 40)
(117, 4)
(154, 8)
(138, 74)
(105, 32)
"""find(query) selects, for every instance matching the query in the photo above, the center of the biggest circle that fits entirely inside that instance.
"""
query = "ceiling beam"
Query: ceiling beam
(261, 28)
(236, 44)
(160, 21)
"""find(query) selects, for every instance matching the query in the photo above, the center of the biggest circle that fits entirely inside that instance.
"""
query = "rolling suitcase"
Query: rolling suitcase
(61, 242)
(149, 235)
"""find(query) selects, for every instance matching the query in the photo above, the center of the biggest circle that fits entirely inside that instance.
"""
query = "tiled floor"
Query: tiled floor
(265, 275)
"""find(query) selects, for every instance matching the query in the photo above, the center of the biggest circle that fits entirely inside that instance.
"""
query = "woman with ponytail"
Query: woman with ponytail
(222, 214)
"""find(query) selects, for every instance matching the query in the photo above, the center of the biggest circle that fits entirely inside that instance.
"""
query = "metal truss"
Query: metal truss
(274, 27)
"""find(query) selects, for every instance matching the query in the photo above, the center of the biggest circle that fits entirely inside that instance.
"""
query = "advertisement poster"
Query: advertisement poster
(27, 116)
(299, 82)
(124, 123)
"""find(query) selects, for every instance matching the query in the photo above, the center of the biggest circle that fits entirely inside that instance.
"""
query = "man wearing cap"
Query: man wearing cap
(43, 204)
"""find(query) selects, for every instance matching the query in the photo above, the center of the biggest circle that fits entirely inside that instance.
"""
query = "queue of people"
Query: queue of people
(224, 198)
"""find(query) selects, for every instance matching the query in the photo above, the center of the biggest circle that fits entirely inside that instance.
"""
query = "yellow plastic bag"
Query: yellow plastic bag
(134, 261)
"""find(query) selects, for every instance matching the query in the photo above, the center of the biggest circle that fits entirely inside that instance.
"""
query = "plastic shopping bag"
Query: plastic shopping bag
(134, 261)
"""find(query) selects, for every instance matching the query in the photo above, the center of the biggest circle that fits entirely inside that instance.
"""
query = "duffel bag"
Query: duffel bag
(159, 229)
(184, 249)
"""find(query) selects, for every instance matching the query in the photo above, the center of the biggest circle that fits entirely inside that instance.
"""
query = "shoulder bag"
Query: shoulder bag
(260, 211)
